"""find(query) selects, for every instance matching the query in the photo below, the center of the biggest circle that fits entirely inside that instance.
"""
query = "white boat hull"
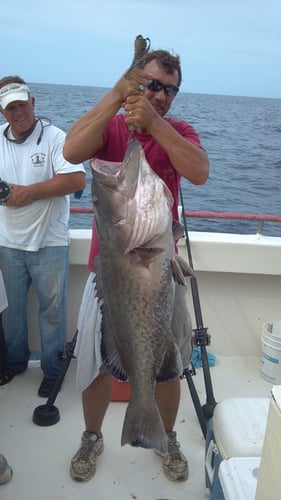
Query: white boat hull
(239, 289)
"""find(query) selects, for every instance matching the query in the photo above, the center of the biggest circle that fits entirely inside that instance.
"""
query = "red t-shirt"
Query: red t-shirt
(115, 142)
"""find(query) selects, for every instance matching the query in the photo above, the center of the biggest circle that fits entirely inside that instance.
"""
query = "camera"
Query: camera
(5, 191)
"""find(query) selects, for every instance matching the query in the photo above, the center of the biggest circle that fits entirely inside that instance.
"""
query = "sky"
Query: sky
(230, 47)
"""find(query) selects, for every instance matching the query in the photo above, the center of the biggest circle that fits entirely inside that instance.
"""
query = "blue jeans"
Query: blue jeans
(47, 270)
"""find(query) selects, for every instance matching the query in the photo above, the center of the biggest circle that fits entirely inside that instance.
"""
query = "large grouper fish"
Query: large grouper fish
(136, 274)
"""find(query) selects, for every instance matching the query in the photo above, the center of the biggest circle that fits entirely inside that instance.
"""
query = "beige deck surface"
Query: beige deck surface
(40, 456)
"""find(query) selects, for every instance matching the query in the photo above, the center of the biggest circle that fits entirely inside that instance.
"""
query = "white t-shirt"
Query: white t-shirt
(43, 222)
(3, 296)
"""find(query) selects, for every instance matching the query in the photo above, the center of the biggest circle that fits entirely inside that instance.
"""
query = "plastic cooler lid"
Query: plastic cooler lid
(238, 477)
(239, 426)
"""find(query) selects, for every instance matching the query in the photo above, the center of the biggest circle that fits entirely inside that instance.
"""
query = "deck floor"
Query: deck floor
(40, 456)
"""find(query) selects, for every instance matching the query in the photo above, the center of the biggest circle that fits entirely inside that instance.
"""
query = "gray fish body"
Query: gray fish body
(135, 278)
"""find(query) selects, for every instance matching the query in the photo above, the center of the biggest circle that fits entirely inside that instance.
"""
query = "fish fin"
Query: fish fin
(171, 367)
(186, 269)
(143, 427)
(109, 353)
(177, 272)
(178, 230)
(97, 278)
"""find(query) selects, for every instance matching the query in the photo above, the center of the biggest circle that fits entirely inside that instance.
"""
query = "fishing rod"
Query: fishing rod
(201, 339)
(48, 414)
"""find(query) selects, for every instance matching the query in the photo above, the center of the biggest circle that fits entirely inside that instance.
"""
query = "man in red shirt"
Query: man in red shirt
(172, 149)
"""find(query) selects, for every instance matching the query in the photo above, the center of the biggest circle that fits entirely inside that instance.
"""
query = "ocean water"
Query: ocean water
(242, 136)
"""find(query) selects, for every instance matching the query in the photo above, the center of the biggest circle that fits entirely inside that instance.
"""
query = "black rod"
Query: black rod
(201, 334)
(70, 346)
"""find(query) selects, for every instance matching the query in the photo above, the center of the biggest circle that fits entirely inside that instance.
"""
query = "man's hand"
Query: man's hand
(134, 85)
(140, 112)
(20, 196)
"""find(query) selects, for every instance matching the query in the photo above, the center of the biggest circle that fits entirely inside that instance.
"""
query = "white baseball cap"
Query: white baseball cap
(13, 92)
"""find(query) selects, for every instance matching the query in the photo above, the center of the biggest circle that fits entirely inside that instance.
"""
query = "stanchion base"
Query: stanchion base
(208, 410)
(46, 415)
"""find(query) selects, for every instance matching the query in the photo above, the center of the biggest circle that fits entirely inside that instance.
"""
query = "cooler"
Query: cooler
(269, 480)
(236, 430)
(238, 477)
(120, 391)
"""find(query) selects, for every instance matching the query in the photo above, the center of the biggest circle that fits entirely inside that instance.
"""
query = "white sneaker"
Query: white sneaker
(83, 464)
(175, 464)
(5, 470)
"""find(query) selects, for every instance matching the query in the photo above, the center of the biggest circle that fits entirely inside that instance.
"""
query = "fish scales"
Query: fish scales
(135, 278)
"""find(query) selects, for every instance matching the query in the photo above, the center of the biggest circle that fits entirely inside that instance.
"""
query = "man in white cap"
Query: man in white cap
(34, 233)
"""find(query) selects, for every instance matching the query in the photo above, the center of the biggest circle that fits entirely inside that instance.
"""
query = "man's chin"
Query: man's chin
(160, 111)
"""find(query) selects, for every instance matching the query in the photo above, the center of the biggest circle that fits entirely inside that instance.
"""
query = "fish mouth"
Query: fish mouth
(111, 194)
(112, 175)
(124, 194)
(107, 173)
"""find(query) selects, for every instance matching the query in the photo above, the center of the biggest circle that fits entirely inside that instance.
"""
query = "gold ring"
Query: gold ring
(130, 113)
(140, 88)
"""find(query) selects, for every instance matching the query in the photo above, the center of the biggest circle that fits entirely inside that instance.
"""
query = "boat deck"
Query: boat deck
(40, 456)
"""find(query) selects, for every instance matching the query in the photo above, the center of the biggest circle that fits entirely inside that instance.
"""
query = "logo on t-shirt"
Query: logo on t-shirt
(38, 159)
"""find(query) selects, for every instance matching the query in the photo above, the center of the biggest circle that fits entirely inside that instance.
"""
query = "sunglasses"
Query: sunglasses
(156, 86)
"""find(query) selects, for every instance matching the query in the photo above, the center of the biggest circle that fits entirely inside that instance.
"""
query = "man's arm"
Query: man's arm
(84, 138)
(59, 185)
(188, 159)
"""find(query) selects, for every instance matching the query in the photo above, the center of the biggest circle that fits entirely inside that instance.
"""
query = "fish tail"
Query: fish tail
(144, 429)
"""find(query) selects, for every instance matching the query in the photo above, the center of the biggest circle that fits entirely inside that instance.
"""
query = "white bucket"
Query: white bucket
(270, 365)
